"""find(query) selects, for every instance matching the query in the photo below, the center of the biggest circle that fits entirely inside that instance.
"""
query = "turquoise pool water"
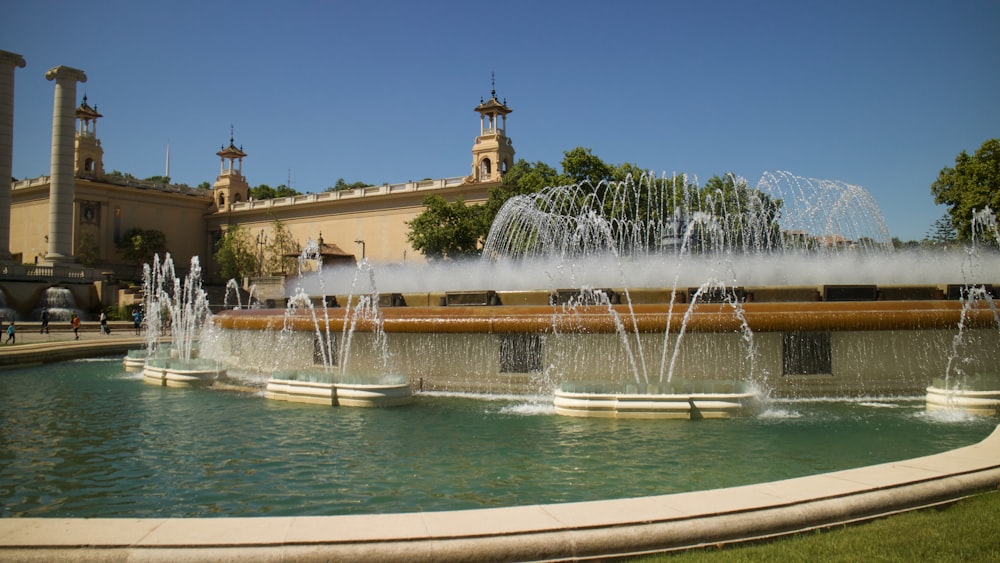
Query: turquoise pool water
(85, 439)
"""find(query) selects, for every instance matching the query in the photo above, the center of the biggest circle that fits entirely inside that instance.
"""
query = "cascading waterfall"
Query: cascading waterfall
(60, 303)
(6, 313)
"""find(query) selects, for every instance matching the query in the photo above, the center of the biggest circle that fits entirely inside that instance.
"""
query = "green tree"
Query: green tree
(158, 179)
(942, 232)
(747, 216)
(900, 244)
(342, 185)
(447, 231)
(280, 250)
(87, 251)
(265, 191)
(972, 185)
(138, 246)
(523, 178)
(234, 253)
(581, 165)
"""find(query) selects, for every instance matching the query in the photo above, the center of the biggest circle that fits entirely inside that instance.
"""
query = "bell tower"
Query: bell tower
(493, 152)
(89, 156)
(230, 185)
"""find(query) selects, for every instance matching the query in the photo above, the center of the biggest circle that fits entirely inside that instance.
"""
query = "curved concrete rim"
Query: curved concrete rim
(554, 532)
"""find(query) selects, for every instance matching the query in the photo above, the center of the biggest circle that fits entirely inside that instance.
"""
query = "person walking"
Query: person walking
(11, 338)
(104, 323)
(137, 321)
(75, 321)
(45, 321)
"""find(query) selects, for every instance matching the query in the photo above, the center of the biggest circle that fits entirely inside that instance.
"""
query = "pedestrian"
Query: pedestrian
(45, 321)
(75, 321)
(11, 339)
(137, 321)
(104, 323)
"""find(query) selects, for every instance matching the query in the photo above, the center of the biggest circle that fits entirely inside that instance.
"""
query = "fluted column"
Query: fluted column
(8, 61)
(61, 178)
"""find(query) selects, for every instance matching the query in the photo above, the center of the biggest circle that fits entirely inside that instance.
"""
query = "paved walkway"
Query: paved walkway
(32, 348)
(556, 532)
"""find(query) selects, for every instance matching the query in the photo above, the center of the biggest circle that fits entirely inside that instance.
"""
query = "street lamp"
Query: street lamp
(261, 243)
(362, 243)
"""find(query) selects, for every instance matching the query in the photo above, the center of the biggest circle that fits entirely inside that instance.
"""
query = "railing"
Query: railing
(123, 181)
(36, 272)
(71, 273)
(367, 191)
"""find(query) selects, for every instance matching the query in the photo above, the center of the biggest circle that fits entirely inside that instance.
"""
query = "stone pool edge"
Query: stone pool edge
(567, 531)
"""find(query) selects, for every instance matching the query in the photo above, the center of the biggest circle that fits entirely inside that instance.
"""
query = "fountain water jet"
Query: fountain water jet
(798, 296)
(176, 309)
(967, 385)
(333, 381)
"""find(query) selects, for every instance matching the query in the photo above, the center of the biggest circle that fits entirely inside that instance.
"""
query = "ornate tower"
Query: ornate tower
(493, 153)
(89, 161)
(230, 186)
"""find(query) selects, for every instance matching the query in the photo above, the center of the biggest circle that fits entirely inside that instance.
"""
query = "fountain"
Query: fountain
(60, 303)
(334, 378)
(967, 384)
(180, 311)
(7, 314)
(875, 326)
(774, 298)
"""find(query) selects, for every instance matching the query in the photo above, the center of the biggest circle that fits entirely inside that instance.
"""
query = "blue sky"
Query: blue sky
(877, 94)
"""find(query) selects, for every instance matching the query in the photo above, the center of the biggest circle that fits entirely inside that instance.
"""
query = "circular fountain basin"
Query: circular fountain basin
(686, 400)
(135, 360)
(170, 372)
(321, 388)
(977, 394)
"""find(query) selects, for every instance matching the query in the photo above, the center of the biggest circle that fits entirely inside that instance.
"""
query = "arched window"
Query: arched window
(237, 198)
(88, 165)
(222, 199)
(486, 168)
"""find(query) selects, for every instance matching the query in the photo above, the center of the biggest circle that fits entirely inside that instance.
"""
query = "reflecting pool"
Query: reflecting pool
(85, 439)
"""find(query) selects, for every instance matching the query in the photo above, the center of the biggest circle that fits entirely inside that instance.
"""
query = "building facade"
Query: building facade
(369, 222)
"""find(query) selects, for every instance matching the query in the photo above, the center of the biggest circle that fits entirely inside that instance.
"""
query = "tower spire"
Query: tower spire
(493, 151)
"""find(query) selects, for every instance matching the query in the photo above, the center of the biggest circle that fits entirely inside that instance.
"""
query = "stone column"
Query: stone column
(8, 61)
(61, 179)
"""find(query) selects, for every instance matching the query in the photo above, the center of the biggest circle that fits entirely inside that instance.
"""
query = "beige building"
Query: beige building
(369, 222)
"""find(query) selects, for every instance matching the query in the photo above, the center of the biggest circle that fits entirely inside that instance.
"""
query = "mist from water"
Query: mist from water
(796, 269)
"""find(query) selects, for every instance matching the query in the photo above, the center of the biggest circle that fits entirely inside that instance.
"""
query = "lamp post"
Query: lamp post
(362, 243)
(261, 243)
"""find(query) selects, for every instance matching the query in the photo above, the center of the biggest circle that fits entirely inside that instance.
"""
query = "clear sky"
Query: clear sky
(878, 94)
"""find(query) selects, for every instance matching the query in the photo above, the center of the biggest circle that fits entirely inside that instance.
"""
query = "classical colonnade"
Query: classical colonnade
(60, 240)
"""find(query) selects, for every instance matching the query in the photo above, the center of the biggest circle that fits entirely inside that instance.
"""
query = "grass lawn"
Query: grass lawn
(968, 530)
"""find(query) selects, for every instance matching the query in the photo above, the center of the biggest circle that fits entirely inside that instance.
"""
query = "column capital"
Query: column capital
(12, 59)
(60, 73)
